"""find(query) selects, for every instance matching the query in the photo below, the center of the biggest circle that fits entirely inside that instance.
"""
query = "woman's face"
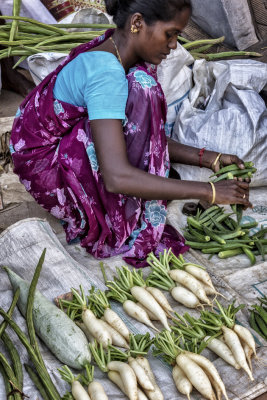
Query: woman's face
(157, 40)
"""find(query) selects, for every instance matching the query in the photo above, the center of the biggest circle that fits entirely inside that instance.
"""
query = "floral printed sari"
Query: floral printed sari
(54, 156)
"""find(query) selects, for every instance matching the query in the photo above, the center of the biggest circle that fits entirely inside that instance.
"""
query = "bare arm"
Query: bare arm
(183, 154)
(121, 177)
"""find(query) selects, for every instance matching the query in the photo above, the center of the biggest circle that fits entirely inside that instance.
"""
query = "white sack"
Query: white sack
(234, 120)
(175, 77)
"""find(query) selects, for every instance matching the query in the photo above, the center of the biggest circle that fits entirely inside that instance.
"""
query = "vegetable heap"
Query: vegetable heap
(126, 365)
(215, 231)
(258, 317)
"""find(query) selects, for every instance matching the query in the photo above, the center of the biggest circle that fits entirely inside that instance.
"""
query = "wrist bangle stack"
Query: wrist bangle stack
(213, 192)
(216, 159)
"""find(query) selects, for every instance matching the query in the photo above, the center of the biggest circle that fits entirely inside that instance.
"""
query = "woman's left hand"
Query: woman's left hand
(226, 159)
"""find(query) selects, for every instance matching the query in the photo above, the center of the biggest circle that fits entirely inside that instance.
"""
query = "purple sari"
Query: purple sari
(54, 156)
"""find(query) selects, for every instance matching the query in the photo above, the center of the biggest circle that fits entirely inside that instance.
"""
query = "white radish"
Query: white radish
(182, 383)
(248, 353)
(233, 342)
(112, 318)
(156, 394)
(149, 313)
(209, 368)
(82, 326)
(196, 375)
(132, 309)
(215, 386)
(191, 283)
(200, 274)
(161, 299)
(209, 290)
(116, 378)
(245, 335)
(116, 337)
(185, 297)
(96, 391)
(128, 377)
(145, 298)
(223, 351)
(78, 391)
(96, 328)
(141, 375)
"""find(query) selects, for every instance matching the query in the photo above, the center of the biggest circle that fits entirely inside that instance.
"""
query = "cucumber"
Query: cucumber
(60, 334)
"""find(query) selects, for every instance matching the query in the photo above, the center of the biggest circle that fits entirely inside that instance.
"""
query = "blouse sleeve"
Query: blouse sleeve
(106, 92)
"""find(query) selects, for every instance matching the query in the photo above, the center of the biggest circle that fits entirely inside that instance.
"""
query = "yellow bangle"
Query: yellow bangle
(213, 192)
(216, 159)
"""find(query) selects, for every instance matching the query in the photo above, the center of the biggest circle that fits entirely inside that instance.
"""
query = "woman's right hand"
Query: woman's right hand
(232, 192)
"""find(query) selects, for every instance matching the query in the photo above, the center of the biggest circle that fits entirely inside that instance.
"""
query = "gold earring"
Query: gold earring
(133, 29)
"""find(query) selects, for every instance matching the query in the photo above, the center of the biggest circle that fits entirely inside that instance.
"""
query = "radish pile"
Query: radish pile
(140, 301)
(189, 284)
(95, 317)
(190, 370)
(129, 370)
(232, 342)
(95, 390)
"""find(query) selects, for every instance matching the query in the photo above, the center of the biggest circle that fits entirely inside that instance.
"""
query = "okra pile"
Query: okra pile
(258, 317)
(215, 231)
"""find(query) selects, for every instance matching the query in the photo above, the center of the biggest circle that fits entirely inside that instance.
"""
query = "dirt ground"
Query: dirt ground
(9, 102)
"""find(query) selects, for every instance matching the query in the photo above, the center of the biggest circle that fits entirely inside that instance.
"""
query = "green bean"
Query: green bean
(10, 311)
(29, 309)
(11, 376)
(14, 25)
(34, 22)
(38, 383)
(225, 54)
(51, 390)
(8, 387)
(201, 42)
(14, 356)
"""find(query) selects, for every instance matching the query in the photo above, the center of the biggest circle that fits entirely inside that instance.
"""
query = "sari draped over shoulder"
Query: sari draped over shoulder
(54, 156)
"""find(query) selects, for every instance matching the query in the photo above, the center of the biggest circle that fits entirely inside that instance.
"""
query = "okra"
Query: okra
(249, 225)
(208, 211)
(232, 167)
(194, 223)
(213, 235)
(230, 253)
(250, 255)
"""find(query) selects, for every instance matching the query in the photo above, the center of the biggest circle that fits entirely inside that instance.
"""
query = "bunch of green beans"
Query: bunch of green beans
(25, 36)
(198, 48)
(258, 317)
(39, 373)
(214, 231)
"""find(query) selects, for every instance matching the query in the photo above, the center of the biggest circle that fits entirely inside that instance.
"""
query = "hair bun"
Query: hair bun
(112, 7)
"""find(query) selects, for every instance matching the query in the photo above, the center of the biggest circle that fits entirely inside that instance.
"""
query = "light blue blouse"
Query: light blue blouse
(95, 80)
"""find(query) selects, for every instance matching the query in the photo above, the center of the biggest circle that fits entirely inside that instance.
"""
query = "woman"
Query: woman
(89, 142)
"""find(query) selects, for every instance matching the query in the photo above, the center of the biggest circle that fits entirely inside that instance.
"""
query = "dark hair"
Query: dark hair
(151, 10)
